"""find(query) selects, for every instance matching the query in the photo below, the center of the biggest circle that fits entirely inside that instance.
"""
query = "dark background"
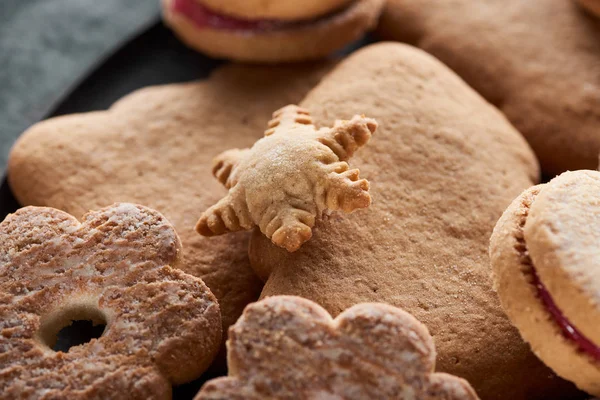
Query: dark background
(48, 46)
(65, 56)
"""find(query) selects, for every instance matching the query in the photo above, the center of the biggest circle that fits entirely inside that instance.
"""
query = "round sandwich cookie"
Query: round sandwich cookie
(270, 31)
(286, 10)
(593, 6)
(545, 254)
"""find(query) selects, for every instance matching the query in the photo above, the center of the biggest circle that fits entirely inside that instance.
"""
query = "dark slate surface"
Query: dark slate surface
(48, 46)
(154, 57)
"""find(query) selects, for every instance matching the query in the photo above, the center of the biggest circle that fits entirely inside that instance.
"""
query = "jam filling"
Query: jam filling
(204, 17)
(568, 330)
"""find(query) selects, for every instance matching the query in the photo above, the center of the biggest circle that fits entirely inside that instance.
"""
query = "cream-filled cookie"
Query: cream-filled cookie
(545, 254)
(270, 31)
(282, 10)
(442, 166)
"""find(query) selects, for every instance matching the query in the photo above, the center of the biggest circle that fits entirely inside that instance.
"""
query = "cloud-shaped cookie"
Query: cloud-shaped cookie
(289, 177)
(162, 325)
(155, 147)
(287, 347)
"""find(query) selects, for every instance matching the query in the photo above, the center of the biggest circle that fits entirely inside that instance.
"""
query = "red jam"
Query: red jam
(203, 17)
(568, 330)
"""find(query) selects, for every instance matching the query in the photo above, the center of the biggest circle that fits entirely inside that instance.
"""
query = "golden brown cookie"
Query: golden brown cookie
(287, 347)
(269, 40)
(306, 170)
(162, 326)
(155, 147)
(274, 9)
(443, 166)
(537, 61)
(593, 6)
(546, 260)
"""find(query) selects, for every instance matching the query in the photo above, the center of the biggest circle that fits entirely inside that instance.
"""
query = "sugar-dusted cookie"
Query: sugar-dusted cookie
(443, 166)
(289, 177)
(287, 347)
(155, 147)
(593, 6)
(545, 254)
(162, 326)
(272, 30)
(538, 61)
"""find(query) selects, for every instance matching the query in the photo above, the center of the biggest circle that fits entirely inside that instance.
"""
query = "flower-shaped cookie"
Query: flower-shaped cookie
(162, 325)
(287, 347)
(289, 177)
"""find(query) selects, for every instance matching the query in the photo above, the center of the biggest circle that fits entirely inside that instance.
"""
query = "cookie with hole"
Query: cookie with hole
(443, 165)
(270, 31)
(544, 254)
(537, 61)
(287, 347)
(155, 147)
(115, 267)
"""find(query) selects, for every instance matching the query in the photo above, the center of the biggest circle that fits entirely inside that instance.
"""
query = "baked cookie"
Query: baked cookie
(443, 166)
(545, 257)
(155, 147)
(286, 10)
(270, 31)
(162, 325)
(593, 6)
(537, 61)
(307, 172)
(287, 347)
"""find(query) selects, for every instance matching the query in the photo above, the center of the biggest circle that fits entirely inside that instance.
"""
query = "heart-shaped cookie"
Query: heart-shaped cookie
(442, 166)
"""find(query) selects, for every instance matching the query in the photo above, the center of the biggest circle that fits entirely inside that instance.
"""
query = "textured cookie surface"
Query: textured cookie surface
(162, 325)
(442, 167)
(155, 147)
(538, 61)
(563, 238)
(289, 177)
(286, 347)
(552, 231)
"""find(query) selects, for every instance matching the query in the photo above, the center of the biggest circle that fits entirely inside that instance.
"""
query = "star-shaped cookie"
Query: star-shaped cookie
(289, 177)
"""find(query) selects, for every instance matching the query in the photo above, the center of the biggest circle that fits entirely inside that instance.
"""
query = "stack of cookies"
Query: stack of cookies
(322, 230)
